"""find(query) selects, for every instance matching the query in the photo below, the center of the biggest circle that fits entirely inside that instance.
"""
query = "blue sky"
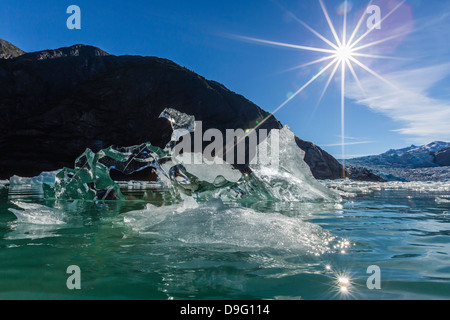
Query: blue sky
(204, 37)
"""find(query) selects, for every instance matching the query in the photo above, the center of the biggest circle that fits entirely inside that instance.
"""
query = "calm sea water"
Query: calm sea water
(296, 250)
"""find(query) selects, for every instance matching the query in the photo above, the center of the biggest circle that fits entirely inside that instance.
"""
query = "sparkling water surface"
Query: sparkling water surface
(289, 250)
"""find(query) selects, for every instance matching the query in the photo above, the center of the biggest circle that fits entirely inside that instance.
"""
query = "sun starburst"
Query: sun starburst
(343, 52)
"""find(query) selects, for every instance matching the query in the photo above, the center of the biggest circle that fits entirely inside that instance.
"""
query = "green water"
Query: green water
(266, 251)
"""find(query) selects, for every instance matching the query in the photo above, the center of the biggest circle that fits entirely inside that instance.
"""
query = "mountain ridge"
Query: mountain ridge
(433, 154)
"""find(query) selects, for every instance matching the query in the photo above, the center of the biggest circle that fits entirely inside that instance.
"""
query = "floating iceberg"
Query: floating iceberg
(215, 223)
(292, 179)
(37, 214)
(4, 183)
(350, 188)
(441, 200)
(44, 177)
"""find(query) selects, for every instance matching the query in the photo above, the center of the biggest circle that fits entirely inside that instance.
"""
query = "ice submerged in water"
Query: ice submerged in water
(99, 176)
(215, 223)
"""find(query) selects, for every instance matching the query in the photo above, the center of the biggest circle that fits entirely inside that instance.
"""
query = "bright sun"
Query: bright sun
(344, 53)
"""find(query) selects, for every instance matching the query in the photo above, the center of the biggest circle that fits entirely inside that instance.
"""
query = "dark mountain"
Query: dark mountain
(56, 103)
(364, 174)
(442, 157)
(322, 164)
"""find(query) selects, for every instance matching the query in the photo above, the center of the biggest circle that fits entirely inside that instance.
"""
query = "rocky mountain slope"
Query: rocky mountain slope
(442, 157)
(56, 103)
(8, 50)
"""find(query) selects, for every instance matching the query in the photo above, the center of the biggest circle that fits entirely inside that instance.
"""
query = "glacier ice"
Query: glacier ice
(181, 123)
(44, 177)
(350, 188)
(215, 223)
(37, 214)
(292, 179)
(441, 200)
(4, 183)
(109, 173)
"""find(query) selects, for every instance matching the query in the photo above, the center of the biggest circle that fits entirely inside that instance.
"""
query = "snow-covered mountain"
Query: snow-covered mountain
(431, 147)
(410, 157)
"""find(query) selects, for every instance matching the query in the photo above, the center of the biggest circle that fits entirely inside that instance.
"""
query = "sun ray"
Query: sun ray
(293, 96)
(355, 76)
(343, 118)
(327, 84)
(379, 23)
(363, 16)
(298, 91)
(311, 63)
(336, 67)
(333, 30)
(306, 25)
(374, 73)
(284, 103)
(374, 56)
(287, 45)
(380, 41)
(344, 31)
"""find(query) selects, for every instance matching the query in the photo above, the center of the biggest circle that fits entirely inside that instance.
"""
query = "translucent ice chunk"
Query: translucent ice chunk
(210, 172)
(291, 179)
(181, 123)
(44, 177)
(89, 180)
(37, 214)
(215, 223)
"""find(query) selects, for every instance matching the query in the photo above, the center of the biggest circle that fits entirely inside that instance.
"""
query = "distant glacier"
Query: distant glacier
(430, 162)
